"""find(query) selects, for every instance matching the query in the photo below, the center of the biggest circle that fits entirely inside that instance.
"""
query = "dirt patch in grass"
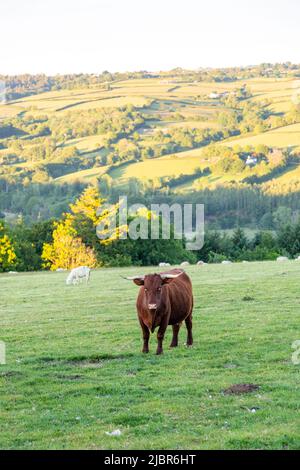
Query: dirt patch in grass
(11, 373)
(239, 389)
(84, 361)
(247, 298)
(96, 359)
(69, 377)
(229, 365)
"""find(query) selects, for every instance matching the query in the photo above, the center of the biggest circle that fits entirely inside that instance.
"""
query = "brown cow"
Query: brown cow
(164, 299)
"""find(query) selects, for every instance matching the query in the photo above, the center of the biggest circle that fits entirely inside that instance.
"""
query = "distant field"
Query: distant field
(138, 92)
(155, 168)
(210, 181)
(86, 144)
(86, 176)
(281, 138)
(75, 369)
(165, 125)
(7, 111)
(114, 102)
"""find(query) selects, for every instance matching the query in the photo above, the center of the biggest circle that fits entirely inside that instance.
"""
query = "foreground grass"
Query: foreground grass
(74, 368)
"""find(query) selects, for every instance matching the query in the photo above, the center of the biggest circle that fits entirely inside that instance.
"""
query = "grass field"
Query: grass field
(140, 92)
(159, 167)
(74, 367)
(281, 137)
(89, 176)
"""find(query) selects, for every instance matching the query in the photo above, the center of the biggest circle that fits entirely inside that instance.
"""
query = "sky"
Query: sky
(90, 36)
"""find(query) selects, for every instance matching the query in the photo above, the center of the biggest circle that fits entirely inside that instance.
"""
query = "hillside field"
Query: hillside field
(166, 104)
(282, 137)
(75, 370)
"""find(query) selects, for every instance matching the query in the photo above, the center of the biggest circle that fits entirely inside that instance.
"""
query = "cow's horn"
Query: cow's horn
(170, 276)
(132, 278)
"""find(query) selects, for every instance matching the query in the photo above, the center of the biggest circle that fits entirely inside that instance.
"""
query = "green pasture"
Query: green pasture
(75, 369)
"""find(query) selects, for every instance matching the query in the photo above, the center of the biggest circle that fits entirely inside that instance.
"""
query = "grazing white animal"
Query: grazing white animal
(282, 258)
(78, 274)
(226, 261)
(116, 432)
(200, 263)
(185, 263)
(163, 265)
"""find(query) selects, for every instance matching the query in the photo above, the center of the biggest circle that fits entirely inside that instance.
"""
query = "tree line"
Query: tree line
(73, 240)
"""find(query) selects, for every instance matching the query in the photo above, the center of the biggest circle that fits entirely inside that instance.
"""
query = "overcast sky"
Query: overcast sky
(62, 36)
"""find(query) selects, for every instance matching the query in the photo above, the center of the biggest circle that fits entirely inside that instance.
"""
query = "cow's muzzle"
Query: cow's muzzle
(152, 306)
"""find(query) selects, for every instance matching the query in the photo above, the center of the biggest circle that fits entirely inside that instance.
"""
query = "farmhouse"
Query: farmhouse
(215, 96)
(251, 161)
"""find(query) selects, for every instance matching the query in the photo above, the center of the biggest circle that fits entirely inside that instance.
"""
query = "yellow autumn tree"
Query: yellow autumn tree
(78, 232)
(7, 253)
(87, 205)
(67, 250)
(90, 210)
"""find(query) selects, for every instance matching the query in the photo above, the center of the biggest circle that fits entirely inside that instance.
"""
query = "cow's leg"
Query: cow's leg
(174, 342)
(146, 335)
(189, 326)
(161, 335)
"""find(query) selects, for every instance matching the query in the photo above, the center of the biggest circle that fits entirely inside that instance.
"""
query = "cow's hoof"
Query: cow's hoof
(158, 352)
(173, 345)
(145, 351)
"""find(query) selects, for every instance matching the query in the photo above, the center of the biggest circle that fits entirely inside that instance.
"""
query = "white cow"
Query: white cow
(78, 274)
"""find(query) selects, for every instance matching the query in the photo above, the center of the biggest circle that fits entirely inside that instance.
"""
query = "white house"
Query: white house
(251, 160)
(215, 96)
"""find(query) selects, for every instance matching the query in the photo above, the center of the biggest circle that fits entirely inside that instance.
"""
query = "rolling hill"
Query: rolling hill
(162, 128)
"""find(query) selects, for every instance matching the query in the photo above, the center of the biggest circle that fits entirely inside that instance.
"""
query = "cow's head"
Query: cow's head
(153, 287)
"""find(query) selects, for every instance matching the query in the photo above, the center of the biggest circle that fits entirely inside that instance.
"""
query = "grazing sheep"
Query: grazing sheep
(78, 274)
(226, 261)
(185, 263)
(200, 263)
(163, 265)
(282, 258)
